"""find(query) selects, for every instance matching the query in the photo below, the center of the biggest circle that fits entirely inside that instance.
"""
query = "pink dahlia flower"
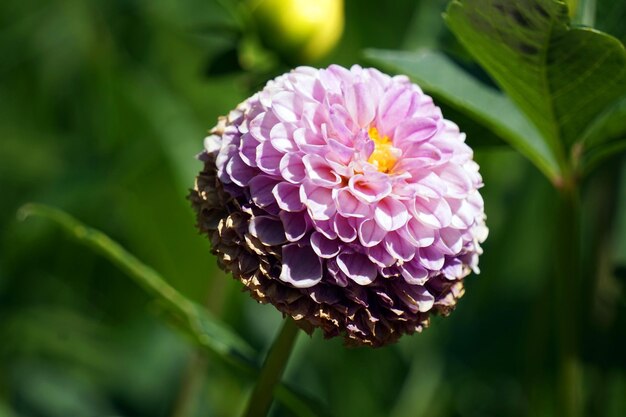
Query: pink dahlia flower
(343, 197)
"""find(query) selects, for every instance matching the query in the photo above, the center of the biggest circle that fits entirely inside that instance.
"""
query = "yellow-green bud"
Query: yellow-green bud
(301, 31)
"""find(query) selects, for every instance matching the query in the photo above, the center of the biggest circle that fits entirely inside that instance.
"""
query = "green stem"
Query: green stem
(568, 302)
(273, 367)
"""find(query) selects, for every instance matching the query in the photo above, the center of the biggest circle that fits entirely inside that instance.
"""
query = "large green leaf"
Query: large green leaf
(207, 330)
(561, 77)
(483, 105)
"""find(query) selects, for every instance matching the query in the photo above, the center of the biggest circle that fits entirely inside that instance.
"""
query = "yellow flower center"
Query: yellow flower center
(385, 155)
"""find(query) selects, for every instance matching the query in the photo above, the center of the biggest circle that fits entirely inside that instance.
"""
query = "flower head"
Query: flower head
(344, 198)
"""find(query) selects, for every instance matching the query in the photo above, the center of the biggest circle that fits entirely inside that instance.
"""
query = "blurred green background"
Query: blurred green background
(103, 105)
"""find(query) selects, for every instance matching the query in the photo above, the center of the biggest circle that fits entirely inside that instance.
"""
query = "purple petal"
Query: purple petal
(370, 234)
(379, 255)
(414, 273)
(324, 247)
(268, 158)
(318, 201)
(454, 269)
(326, 228)
(294, 224)
(288, 196)
(267, 229)
(239, 172)
(247, 150)
(344, 228)
(398, 247)
(390, 214)
(357, 267)
(417, 298)
(261, 190)
(301, 267)
(261, 126)
(431, 258)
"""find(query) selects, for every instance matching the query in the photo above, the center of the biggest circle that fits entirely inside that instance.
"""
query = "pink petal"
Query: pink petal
(419, 234)
(292, 168)
(369, 189)
(394, 108)
(457, 180)
(360, 103)
(319, 172)
(281, 137)
(452, 240)
(434, 212)
(286, 106)
(370, 234)
(318, 201)
(414, 131)
(349, 206)
(390, 214)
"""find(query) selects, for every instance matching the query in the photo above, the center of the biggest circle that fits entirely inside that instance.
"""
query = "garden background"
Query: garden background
(103, 106)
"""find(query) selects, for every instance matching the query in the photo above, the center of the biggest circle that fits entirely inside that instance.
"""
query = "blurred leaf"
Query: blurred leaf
(207, 330)
(223, 63)
(300, 403)
(605, 137)
(485, 107)
(562, 78)
(610, 16)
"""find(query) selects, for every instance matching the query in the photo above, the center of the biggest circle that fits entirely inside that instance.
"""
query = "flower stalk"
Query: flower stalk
(568, 282)
(275, 362)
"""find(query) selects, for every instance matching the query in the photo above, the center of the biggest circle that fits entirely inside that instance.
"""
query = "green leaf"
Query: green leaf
(561, 77)
(484, 106)
(207, 330)
(605, 137)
